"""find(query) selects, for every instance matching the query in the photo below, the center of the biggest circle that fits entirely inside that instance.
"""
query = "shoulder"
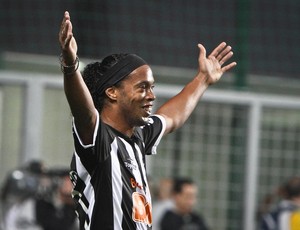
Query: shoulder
(157, 117)
(155, 121)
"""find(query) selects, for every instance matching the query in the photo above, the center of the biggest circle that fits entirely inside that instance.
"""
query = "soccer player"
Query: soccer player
(113, 129)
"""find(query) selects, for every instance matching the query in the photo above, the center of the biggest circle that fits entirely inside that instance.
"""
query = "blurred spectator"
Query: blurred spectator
(286, 214)
(18, 197)
(183, 216)
(164, 201)
(21, 183)
(57, 211)
(21, 216)
(38, 199)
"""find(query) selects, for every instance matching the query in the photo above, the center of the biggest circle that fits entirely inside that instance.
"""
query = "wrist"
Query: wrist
(204, 78)
(68, 69)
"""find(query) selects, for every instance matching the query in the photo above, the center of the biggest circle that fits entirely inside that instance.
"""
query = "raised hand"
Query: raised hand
(211, 66)
(67, 41)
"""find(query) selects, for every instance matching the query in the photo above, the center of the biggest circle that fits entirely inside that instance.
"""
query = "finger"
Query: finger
(68, 40)
(66, 34)
(67, 14)
(223, 53)
(226, 58)
(65, 18)
(68, 28)
(217, 50)
(64, 26)
(229, 66)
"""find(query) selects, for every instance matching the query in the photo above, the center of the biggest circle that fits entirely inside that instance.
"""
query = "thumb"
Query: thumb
(202, 53)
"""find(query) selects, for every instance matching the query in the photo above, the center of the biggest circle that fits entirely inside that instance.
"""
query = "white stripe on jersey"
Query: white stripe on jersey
(145, 175)
(136, 170)
(138, 176)
(88, 191)
(116, 185)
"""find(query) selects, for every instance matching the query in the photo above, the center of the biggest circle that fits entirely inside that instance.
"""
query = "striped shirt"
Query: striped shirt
(109, 177)
(285, 216)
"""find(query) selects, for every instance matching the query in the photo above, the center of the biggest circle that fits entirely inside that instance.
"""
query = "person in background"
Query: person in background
(18, 196)
(42, 200)
(114, 129)
(55, 209)
(183, 216)
(163, 202)
(285, 215)
(21, 183)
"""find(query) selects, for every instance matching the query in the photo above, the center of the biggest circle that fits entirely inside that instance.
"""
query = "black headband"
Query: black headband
(119, 71)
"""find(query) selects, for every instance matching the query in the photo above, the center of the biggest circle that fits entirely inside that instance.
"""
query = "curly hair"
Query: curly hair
(92, 74)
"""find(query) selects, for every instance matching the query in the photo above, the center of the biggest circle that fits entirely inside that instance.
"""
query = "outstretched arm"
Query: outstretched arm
(177, 110)
(77, 93)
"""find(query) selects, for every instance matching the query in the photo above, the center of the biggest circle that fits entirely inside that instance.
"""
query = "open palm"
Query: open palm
(67, 41)
(211, 66)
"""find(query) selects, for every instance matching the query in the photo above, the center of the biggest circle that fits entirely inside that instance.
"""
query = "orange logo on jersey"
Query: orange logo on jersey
(141, 209)
(135, 184)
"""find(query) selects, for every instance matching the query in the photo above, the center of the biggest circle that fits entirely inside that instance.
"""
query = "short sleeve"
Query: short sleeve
(153, 132)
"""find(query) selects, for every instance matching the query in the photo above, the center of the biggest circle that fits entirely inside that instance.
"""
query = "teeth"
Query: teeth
(148, 109)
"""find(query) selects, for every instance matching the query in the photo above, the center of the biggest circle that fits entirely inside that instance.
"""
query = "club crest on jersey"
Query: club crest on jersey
(149, 122)
(130, 164)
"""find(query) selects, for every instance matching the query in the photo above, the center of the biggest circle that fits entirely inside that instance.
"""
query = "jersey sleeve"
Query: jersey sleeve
(99, 149)
(83, 156)
(76, 135)
(153, 132)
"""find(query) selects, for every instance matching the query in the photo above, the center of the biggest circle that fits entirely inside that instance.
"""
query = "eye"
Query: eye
(146, 86)
(143, 86)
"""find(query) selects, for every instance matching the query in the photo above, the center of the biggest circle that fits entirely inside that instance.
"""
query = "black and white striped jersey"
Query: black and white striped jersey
(109, 177)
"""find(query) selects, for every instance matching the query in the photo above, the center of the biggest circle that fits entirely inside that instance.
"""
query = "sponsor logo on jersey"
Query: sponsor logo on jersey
(130, 164)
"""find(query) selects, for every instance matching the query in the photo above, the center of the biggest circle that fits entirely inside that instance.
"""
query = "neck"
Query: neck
(117, 121)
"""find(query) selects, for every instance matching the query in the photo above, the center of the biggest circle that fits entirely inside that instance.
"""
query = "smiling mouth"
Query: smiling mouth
(148, 109)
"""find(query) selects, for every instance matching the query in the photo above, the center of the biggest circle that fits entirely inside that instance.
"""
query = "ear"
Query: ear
(111, 93)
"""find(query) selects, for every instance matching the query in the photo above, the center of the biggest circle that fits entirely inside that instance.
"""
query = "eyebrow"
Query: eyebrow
(145, 82)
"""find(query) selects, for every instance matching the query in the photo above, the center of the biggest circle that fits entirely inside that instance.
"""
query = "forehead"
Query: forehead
(141, 74)
(189, 188)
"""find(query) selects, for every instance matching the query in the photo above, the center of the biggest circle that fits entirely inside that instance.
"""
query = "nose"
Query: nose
(151, 95)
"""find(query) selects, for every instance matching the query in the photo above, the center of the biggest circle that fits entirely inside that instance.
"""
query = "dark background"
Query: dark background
(265, 34)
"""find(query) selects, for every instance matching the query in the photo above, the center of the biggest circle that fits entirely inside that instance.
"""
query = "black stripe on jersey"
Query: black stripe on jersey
(89, 162)
(103, 215)
(81, 202)
(126, 204)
